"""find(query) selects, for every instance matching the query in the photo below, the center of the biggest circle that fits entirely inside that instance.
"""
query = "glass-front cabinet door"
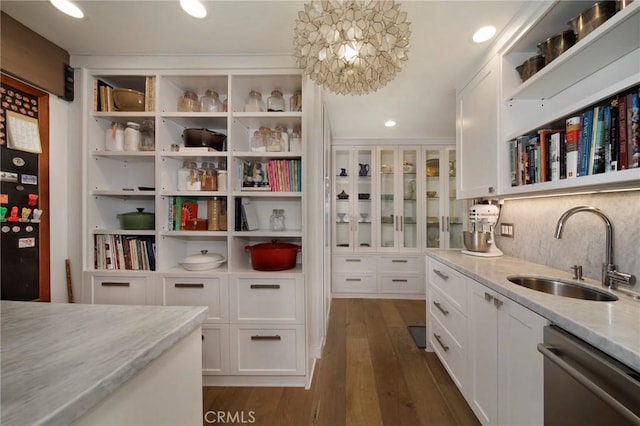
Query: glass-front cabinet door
(444, 214)
(353, 199)
(398, 205)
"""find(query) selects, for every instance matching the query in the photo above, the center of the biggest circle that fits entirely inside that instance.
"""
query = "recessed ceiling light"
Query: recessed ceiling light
(194, 8)
(483, 34)
(67, 7)
(390, 123)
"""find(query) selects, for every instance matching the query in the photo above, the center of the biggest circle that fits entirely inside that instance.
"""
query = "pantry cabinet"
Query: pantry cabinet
(224, 216)
(495, 107)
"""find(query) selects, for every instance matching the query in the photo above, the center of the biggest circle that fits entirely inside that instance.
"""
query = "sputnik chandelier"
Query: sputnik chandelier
(351, 47)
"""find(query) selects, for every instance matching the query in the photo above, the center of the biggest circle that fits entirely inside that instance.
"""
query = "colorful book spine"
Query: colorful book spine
(598, 149)
(572, 138)
(622, 133)
(556, 144)
(613, 136)
(633, 130)
(584, 143)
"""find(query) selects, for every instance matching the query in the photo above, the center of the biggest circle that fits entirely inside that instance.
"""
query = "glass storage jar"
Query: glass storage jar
(222, 218)
(275, 102)
(284, 134)
(225, 105)
(188, 102)
(209, 180)
(210, 102)
(132, 137)
(213, 213)
(276, 221)
(186, 173)
(295, 101)
(295, 141)
(274, 141)
(254, 102)
(222, 180)
(114, 137)
(258, 142)
(147, 135)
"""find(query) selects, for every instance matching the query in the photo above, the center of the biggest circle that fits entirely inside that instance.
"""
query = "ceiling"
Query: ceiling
(421, 99)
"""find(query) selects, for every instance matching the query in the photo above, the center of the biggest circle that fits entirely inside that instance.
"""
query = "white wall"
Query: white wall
(64, 198)
(583, 237)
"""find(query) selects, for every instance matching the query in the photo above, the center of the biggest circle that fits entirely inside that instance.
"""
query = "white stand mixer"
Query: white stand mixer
(480, 242)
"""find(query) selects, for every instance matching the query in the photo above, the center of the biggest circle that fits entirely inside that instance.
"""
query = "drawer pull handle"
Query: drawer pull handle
(497, 302)
(440, 274)
(399, 260)
(188, 285)
(445, 347)
(488, 297)
(352, 260)
(440, 308)
(114, 284)
(258, 337)
(353, 279)
(265, 286)
(398, 280)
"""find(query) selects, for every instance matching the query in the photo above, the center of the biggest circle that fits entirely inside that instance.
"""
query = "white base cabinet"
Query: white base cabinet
(488, 345)
(505, 368)
(372, 275)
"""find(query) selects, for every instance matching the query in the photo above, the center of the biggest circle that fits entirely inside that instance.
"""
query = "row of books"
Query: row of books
(116, 251)
(246, 217)
(601, 139)
(103, 95)
(274, 175)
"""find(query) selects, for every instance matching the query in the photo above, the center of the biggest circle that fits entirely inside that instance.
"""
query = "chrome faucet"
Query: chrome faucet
(611, 277)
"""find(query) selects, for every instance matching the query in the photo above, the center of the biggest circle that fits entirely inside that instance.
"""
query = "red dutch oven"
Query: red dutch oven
(273, 256)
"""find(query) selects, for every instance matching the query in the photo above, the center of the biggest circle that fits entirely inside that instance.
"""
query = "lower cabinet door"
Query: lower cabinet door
(215, 349)
(277, 350)
(119, 290)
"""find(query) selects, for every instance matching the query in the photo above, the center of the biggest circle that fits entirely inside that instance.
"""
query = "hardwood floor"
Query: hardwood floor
(371, 373)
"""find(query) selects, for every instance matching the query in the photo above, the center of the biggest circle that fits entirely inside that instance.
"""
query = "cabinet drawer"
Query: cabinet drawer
(210, 292)
(355, 263)
(273, 350)
(407, 264)
(448, 351)
(449, 316)
(450, 282)
(267, 299)
(360, 283)
(119, 290)
(215, 349)
(401, 284)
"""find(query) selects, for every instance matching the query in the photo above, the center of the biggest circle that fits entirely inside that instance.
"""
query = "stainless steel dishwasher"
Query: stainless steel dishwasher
(584, 386)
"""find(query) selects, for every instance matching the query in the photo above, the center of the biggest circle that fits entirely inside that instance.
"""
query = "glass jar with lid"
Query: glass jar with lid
(295, 141)
(253, 102)
(187, 173)
(276, 221)
(275, 102)
(274, 141)
(114, 137)
(132, 137)
(210, 102)
(188, 102)
(147, 135)
(209, 179)
(295, 102)
(284, 134)
(258, 142)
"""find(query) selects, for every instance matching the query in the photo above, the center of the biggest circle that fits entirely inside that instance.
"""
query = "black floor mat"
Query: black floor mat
(419, 334)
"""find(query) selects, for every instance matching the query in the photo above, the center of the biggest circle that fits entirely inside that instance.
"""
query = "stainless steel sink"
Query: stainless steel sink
(562, 288)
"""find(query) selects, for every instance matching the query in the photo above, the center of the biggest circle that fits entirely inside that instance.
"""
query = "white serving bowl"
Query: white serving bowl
(203, 261)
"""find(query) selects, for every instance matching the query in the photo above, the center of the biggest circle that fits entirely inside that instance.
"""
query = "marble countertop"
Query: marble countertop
(613, 327)
(60, 360)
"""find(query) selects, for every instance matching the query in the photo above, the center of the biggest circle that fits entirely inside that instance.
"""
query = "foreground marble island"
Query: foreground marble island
(100, 364)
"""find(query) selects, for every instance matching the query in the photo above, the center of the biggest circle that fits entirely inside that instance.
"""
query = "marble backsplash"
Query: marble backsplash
(583, 236)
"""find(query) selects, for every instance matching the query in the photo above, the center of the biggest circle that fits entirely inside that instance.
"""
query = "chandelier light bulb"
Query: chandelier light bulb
(65, 6)
(351, 47)
(194, 8)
